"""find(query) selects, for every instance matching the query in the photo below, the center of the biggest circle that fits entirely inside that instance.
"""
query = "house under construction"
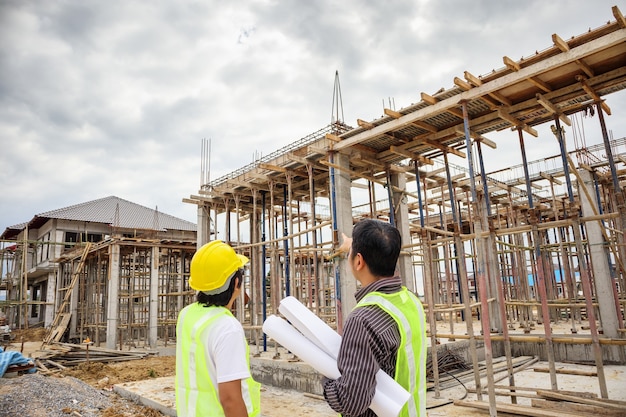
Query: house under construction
(532, 245)
(109, 270)
(535, 244)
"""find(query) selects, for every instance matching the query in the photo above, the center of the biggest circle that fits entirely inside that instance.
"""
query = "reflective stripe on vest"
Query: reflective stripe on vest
(193, 382)
(408, 313)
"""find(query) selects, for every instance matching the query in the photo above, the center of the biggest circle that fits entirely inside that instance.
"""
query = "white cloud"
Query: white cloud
(114, 98)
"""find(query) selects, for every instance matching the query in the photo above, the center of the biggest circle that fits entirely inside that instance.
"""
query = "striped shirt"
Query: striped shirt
(370, 342)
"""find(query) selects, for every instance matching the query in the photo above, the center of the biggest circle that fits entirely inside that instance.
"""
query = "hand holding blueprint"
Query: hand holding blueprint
(313, 341)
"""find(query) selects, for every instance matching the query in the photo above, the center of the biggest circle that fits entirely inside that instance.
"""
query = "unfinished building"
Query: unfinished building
(531, 245)
(524, 248)
(109, 270)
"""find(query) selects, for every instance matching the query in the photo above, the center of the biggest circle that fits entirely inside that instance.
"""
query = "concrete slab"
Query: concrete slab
(157, 393)
(289, 402)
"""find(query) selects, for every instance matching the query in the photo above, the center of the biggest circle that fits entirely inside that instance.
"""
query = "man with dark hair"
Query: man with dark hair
(212, 354)
(386, 330)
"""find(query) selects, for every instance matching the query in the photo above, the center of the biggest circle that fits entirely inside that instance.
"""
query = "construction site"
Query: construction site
(525, 261)
(107, 270)
(531, 246)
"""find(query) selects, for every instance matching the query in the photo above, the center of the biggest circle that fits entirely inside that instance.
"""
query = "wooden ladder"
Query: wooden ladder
(62, 318)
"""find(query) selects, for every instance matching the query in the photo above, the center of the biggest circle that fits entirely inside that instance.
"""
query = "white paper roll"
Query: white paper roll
(387, 386)
(311, 326)
(389, 397)
(324, 337)
(281, 331)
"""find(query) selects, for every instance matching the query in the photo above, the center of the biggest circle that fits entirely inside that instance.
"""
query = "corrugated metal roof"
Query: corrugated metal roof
(113, 211)
(119, 213)
(19, 226)
(13, 231)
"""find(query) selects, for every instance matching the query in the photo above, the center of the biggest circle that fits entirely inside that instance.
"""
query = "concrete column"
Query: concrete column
(599, 261)
(154, 298)
(405, 263)
(73, 302)
(50, 307)
(113, 293)
(204, 225)
(343, 199)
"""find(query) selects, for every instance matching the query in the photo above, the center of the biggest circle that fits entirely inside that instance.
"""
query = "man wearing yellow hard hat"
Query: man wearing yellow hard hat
(212, 355)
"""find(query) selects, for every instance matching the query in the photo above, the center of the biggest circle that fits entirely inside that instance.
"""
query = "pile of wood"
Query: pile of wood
(542, 402)
(547, 403)
(59, 356)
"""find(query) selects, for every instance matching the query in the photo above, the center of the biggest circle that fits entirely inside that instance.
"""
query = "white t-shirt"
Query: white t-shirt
(225, 350)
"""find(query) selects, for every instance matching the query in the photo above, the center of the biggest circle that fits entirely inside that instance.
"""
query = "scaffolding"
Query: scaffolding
(495, 256)
(149, 288)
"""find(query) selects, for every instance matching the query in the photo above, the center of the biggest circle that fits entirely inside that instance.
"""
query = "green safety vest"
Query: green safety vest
(408, 313)
(195, 393)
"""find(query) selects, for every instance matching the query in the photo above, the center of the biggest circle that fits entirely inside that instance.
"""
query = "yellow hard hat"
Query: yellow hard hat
(212, 265)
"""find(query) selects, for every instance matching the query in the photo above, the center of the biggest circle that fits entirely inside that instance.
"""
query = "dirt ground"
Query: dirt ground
(103, 375)
(277, 402)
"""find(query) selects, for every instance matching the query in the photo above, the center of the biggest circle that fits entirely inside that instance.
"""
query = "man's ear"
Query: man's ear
(359, 262)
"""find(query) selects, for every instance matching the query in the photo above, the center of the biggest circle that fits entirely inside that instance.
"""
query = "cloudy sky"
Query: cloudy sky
(114, 98)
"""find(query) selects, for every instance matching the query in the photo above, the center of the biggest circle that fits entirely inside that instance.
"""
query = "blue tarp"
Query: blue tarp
(13, 358)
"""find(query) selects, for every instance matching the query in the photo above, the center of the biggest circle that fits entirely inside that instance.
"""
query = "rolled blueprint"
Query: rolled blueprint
(311, 326)
(318, 345)
(324, 337)
(281, 331)
(285, 334)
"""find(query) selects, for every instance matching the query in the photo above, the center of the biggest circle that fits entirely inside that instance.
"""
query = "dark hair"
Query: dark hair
(379, 244)
(221, 299)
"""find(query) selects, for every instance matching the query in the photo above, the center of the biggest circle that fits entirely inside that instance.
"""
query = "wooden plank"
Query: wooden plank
(423, 125)
(510, 64)
(548, 105)
(364, 124)
(392, 113)
(412, 155)
(462, 84)
(62, 318)
(619, 16)
(616, 405)
(94, 349)
(504, 115)
(59, 329)
(583, 409)
(496, 85)
(332, 137)
(565, 371)
(504, 393)
(560, 43)
(581, 394)
(272, 167)
(519, 410)
(41, 365)
(427, 98)
(58, 365)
